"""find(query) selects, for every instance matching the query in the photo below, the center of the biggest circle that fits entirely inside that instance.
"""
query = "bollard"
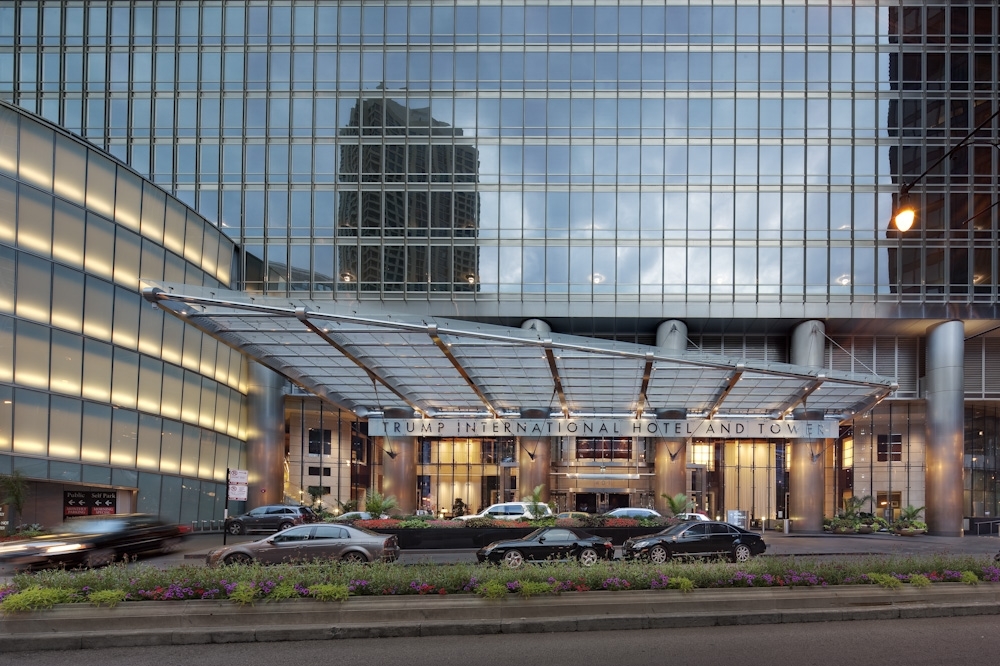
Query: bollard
(194, 525)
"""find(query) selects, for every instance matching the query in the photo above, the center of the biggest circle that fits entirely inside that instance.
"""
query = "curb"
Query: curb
(83, 626)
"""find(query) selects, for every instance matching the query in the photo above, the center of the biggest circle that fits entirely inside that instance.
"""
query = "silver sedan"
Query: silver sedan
(304, 543)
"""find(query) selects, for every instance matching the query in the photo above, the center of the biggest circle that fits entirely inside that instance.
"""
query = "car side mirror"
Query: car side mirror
(541, 539)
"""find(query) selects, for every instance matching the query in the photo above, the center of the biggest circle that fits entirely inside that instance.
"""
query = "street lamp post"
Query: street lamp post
(905, 211)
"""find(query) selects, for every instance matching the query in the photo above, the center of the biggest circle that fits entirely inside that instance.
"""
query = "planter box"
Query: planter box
(432, 538)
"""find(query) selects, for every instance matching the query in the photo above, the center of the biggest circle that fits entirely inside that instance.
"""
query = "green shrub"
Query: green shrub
(414, 523)
(887, 581)
(531, 588)
(244, 593)
(970, 578)
(479, 523)
(682, 584)
(492, 589)
(109, 598)
(327, 592)
(283, 590)
(36, 598)
(919, 580)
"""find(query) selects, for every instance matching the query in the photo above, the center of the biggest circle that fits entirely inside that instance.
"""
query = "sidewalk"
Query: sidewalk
(81, 626)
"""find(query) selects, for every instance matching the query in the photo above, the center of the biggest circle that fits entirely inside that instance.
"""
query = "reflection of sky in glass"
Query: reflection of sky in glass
(647, 128)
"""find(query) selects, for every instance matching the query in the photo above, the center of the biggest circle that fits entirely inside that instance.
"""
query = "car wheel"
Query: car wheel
(588, 557)
(238, 558)
(99, 558)
(235, 527)
(658, 554)
(354, 557)
(741, 553)
(513, 559)
(285, 525)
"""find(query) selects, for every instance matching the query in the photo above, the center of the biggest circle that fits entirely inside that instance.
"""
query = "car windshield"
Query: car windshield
(676, 529)
(537, 533)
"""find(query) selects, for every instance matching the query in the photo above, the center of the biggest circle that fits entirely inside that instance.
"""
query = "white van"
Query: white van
(510, 511)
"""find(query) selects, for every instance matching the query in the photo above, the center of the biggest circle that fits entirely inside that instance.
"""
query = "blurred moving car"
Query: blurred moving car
(549, 544)
(270, 518)
(93, 541)
(304, 543)
(703, 538)
(632, 512)
(510, 511)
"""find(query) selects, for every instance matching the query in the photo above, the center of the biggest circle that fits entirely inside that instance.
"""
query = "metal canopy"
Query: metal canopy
(443, 367)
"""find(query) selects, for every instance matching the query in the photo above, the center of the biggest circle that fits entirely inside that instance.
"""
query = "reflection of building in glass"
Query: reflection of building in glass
(410, 213)
(950, 248)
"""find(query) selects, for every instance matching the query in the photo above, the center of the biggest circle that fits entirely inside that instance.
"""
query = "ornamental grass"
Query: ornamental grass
(255, 583)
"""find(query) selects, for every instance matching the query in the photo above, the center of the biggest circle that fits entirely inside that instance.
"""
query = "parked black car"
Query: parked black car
(549, 544)
(92, 541)
(270, 518)
(706, 538)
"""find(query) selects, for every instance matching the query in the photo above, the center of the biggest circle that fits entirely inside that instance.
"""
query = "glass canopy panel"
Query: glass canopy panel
(443, 366)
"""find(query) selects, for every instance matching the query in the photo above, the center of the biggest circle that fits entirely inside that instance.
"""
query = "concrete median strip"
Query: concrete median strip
(83, 626)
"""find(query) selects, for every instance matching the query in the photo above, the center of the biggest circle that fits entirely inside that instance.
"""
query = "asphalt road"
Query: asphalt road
(969, 641)
(778, 544)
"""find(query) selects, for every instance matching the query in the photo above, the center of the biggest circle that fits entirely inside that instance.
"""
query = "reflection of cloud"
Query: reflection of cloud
(651, 266)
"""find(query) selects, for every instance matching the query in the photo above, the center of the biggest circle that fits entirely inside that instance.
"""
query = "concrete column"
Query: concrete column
(670, 453)
(945, 395)
(265, 436)
(807, 474)
(399, 464)
(534, 458)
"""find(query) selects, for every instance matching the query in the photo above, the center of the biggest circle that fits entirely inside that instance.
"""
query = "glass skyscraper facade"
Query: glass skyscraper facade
(602, 166)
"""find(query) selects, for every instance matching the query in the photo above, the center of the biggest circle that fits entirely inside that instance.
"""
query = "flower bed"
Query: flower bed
(337, 582)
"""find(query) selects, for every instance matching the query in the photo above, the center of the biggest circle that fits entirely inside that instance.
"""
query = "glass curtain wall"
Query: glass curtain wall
(602, 151)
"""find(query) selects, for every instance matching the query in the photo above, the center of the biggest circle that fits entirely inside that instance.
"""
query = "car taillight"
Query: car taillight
(183, 529)
(608, 544)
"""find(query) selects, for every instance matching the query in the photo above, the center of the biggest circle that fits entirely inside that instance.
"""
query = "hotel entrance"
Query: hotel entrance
(458, 475)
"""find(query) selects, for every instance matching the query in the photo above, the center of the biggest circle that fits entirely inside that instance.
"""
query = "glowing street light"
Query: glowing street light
(905, 213)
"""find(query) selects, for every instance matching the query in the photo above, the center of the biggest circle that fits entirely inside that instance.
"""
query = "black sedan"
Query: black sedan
(549, 544)
(706, 538)
(91, 541)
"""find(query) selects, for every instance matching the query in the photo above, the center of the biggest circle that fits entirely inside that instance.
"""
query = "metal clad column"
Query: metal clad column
(670, 462)
(670, 454)
(945, 428)
(265, 436)
(399, 464)
(807, 478)
(534, 458)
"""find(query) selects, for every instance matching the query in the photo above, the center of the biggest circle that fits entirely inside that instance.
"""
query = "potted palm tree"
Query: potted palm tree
(909, 523)
(678, 504)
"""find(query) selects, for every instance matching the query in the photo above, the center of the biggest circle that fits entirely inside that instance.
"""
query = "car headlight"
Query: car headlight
(639, 545)
(55, 549)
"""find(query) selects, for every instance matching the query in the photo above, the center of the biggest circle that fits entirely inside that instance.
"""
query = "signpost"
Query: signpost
(237, 491)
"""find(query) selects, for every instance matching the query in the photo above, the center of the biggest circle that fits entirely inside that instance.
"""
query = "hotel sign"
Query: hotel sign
(707, 428)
